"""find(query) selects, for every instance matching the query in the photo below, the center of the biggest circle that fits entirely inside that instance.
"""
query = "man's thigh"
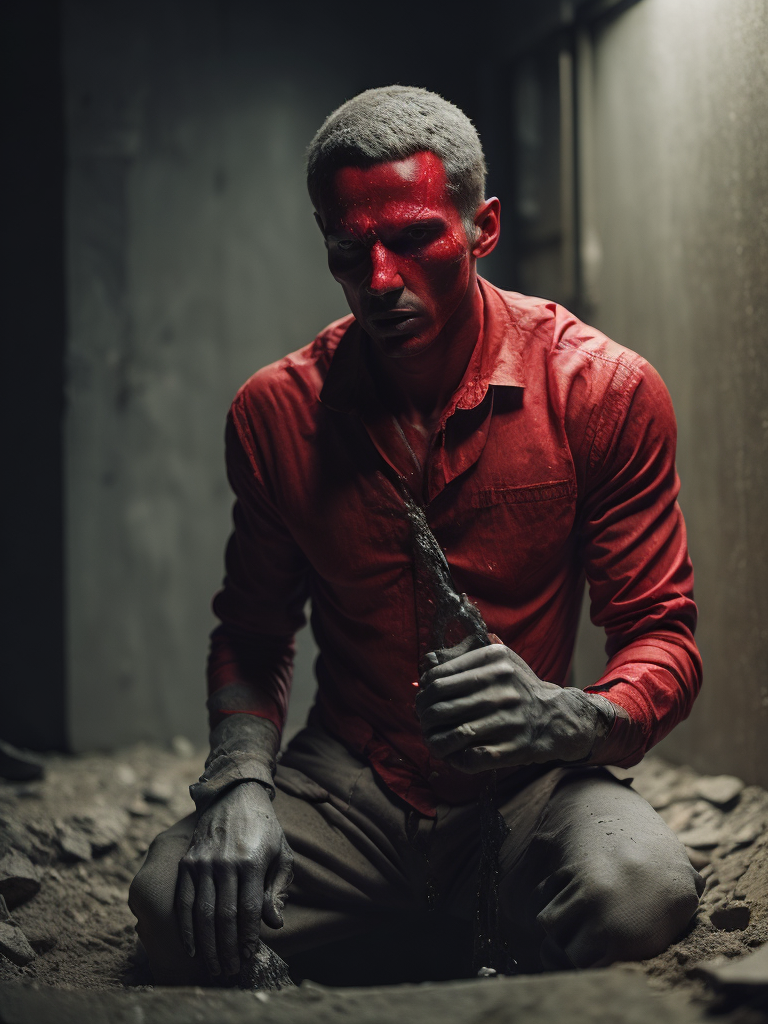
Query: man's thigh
(350, 852)
(603, 879)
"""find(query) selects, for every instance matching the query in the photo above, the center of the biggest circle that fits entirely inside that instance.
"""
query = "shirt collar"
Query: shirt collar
(496, 360)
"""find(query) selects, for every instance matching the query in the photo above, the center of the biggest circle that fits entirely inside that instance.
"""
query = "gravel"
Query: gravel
(83, 830)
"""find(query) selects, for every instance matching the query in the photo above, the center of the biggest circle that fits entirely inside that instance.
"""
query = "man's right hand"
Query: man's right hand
(236, 871)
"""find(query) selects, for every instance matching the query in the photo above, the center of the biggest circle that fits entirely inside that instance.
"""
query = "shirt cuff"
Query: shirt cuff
(623, 744)
(226, 769)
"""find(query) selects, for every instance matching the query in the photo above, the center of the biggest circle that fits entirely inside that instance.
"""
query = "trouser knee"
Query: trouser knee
(152, 894)
(650, 931)
(150, 904)
(638, 922)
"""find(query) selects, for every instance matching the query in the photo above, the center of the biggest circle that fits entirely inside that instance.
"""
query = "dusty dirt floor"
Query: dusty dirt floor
(71, 843)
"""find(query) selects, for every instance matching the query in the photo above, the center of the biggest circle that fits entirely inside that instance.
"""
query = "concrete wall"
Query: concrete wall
(193, 260)
(674, 112)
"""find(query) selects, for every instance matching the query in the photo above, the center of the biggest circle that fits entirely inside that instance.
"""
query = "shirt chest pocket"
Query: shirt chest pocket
(503, 540)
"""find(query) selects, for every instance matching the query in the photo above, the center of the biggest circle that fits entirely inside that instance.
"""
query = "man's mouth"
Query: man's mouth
(394, 319)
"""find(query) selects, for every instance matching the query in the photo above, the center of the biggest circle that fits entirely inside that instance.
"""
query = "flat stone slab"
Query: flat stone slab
(14, 945)
(19, 879)
(718, 789)
(614, 996)
(745, 972)
(701, 838)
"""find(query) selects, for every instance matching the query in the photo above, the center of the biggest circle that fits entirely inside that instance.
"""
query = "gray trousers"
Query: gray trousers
(590, 874)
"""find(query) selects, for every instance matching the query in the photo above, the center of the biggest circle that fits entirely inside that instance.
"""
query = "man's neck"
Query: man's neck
(418, 388)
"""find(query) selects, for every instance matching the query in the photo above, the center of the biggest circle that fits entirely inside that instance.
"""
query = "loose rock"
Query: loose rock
(701, 838)
(19, 879)
(14, 838)
(732, 869)
(158, 792)
(42, 942)
(14, 945)
(748, 971)
(19, 765)
(41, 846)
(747, 835)
(125, 775)
(182, 747)
(75, 845)
(265, 971)
(698, 858)
(719, 789)
(102, 827)
(679, 816)
(139, 808)
(107, 894)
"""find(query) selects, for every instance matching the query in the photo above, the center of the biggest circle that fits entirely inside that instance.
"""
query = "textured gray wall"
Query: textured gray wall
(677, 261)
(193, 260)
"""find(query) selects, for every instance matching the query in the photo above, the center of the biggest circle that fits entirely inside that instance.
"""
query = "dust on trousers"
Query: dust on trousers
(590, 874)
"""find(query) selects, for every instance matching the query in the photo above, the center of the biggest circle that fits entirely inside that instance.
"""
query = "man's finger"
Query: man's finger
(443, 654)
(493, 729)
(475, 760)
(510, 754)
(463, 684)
(249, 904)
(477, 705)
(204, 919)
(276, 887)
(185, 901)
(225, 880)
(465, 662)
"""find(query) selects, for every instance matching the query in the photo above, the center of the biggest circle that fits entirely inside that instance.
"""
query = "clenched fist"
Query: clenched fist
(486, 708)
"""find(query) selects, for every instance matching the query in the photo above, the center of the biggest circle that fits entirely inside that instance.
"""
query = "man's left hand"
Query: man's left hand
(488, 709)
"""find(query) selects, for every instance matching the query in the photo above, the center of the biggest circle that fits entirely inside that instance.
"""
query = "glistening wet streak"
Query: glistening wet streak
(490, 950)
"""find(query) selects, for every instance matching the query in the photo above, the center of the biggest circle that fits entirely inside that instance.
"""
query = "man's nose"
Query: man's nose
(385, 273)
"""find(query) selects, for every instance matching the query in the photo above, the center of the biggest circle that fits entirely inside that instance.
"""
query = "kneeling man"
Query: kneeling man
(542, 454)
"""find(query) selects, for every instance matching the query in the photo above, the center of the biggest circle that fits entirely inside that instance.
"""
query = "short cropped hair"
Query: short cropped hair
(392, 123)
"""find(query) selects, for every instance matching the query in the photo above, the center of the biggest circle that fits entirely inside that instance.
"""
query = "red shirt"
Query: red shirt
(553, 460)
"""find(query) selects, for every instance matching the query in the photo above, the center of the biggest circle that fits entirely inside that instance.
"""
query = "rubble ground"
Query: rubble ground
(71, 843)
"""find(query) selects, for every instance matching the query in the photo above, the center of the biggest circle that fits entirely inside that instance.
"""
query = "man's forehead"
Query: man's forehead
(418, 180)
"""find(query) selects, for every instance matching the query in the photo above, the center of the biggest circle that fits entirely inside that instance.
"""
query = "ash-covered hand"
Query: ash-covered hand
(486, 708)
(236, 871)
(238, 865)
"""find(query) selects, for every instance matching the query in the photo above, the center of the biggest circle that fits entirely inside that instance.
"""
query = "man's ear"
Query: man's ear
(488, 224)
(319, 223)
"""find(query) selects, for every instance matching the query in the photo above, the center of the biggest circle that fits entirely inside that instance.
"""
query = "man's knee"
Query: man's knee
(148, 899)
(152, 894)
(634, 909)
(623, 887)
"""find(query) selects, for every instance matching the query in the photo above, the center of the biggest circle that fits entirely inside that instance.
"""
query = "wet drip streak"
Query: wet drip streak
(452, 608)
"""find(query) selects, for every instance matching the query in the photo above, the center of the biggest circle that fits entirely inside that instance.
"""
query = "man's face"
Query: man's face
(397, 246)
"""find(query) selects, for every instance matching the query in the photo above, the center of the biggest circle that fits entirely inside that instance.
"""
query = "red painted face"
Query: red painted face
(397, 246)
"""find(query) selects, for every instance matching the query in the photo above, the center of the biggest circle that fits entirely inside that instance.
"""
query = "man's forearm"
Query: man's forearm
(243, 749)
